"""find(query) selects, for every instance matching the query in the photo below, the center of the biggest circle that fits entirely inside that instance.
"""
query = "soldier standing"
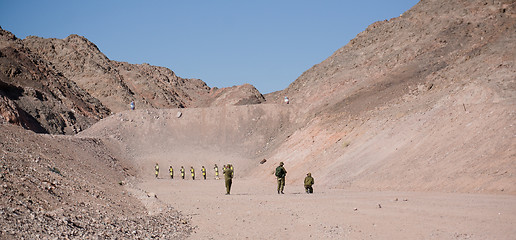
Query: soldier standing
(216, 168)
(309, 181)
(203, 171)
(171, 171)
(156, 168)
(228, 176)
(280, 174)
(182, 170)
(193, 172)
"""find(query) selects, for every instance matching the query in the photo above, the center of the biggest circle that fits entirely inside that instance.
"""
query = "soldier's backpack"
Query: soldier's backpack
(279, 172)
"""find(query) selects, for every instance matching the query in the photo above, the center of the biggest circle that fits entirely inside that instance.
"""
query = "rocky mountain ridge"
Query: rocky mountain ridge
(34, 95)
(109, 85)
(424, 102)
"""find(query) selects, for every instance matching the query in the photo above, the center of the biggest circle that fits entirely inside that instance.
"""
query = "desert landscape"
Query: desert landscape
(408, 130)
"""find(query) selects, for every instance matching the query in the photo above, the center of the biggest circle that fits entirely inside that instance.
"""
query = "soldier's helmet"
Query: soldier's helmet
(281, 163)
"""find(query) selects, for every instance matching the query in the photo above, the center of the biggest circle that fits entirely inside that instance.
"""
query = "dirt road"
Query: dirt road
(256, 211)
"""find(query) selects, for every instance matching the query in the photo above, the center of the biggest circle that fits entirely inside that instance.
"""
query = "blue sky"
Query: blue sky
(265, 43)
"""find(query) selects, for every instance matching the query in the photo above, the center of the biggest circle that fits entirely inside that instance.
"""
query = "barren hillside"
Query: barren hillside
(428, 97)
(441, 117)
(116, 84)
(39, 75)
(34, 95)
(423, 103)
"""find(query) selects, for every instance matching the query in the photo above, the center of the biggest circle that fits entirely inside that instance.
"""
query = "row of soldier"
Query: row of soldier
(228, 172)
(192, 171)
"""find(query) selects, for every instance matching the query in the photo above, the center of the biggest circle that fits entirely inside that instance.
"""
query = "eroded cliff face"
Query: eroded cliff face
(38, 97)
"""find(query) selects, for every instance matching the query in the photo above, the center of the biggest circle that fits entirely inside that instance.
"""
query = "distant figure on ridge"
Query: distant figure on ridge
(228, 176)
(286, 100)
(156, 168)
(193, 172)
(280, 174)
(171, 171)
(309, 181)
(216, 168)
(203, 171)
(182, 170)
(132, 105)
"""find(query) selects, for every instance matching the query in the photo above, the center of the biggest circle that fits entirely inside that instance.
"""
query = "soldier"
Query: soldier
(228, 176)
(156, 168)
(216, 168)
(309, 181)
(171, 171)
(203, 171)
(280, 174)
(182, 170)
(193, 172)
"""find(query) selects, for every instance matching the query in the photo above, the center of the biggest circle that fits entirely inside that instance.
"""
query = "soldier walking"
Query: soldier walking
(280, 174)
(228, 176)
(203, 171)
(309, 181)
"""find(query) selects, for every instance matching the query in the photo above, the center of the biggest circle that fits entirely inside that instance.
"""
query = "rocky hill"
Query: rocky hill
(432, 46)
(35, 95)
(432, 91)
(116, 84)
(109, 86)
(424, 102)
(403, 100)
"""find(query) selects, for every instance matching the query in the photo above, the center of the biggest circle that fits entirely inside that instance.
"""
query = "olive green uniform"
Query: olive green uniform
(309, 181)
(228, 176)
(280, 174)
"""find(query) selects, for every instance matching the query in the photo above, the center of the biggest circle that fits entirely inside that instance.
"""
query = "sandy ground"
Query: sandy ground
(255, 211)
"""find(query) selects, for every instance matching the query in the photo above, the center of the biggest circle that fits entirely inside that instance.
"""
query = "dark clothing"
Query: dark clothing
(228, 176)
(280, 174)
